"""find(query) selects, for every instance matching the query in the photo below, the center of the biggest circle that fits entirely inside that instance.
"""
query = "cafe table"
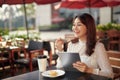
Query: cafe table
(69, 75)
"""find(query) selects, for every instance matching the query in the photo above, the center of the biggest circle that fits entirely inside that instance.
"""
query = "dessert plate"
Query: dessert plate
(48, 73)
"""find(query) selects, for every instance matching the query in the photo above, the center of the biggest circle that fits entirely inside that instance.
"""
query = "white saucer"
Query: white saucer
(47, 73)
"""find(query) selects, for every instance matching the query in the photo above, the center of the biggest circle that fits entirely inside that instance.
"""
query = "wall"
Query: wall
(105, 15)
(43, 15)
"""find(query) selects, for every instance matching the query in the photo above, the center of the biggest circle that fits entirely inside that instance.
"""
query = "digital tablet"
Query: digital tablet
(67, 59)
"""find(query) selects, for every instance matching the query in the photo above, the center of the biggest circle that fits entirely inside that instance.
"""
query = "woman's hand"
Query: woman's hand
(59, 44)
(82, 67)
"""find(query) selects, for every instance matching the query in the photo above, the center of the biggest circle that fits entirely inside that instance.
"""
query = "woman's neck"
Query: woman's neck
(83, 39)
(75, 40)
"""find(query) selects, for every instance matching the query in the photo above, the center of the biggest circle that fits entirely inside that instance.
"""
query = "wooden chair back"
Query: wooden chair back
(114, 58)
(114, 39)
(34, 49)
(20, 43)
(4, 58)
(8, 43)
(100, 34)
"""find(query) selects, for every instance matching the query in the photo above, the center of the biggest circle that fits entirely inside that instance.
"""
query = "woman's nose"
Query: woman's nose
(75, 27)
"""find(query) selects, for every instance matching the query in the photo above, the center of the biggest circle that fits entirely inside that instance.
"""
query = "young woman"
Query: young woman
(93, 55)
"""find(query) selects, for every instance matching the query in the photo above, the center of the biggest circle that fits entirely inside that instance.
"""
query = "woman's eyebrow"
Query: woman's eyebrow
(76, 22)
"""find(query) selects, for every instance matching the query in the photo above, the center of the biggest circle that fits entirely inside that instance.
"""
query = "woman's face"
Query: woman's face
(79, 28)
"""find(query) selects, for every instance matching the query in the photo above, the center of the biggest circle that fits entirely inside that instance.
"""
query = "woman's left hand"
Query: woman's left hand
(82, 67)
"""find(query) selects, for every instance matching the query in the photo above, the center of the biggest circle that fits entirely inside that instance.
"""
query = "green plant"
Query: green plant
(117, 27)
(108, 26)
(101, 27)
(22, 36)
(4, 32)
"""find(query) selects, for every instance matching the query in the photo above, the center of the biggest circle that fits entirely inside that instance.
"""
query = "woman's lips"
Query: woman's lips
(77, 32)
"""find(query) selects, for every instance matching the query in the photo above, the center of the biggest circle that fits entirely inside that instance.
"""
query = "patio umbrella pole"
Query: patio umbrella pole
(111, 14)
(26, 24)
(89, 10)
(89, 6)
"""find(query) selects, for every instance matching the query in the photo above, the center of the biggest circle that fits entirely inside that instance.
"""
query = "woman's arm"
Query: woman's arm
(59, 45)
(103, 62)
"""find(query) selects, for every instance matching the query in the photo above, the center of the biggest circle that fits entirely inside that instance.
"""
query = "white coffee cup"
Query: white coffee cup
(42, 63)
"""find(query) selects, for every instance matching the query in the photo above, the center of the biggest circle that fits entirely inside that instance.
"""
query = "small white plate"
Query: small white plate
(47, 73)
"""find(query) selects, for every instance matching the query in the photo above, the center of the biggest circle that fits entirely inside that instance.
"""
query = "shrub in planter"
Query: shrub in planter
(108, 26)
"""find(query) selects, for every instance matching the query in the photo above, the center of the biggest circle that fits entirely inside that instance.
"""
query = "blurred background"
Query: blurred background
(51, 17)
(47, 20)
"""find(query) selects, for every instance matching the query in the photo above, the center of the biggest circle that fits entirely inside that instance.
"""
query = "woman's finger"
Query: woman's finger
(80, 66)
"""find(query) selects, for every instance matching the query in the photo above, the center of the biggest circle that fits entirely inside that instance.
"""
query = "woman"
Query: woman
(92, 53)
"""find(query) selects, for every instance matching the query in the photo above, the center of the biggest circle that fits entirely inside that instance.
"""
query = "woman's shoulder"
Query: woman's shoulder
(99, 46)
(98, 43)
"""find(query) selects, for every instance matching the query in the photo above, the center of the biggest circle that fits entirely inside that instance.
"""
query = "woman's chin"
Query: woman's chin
(76, 35)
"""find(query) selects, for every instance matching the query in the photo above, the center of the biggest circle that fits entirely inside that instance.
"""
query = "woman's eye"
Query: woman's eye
(76, 24)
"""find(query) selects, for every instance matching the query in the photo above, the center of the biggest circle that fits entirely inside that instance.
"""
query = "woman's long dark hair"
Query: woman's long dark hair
(89, 22)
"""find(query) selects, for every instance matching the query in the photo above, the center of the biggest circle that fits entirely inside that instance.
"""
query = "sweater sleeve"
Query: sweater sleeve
(103, 62)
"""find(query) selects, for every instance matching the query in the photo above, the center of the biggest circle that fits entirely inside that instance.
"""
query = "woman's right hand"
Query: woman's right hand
(59, 44)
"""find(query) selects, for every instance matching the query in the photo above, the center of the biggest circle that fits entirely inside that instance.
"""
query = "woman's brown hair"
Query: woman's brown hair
(89, 22)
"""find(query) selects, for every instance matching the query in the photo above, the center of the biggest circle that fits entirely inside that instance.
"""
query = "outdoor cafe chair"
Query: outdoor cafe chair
(34, 49)
(114, 40)
(4, 58)
(20, 42)
(51, 56)
(114, 58)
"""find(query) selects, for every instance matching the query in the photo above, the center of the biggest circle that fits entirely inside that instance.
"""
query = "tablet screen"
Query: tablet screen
(67, 59)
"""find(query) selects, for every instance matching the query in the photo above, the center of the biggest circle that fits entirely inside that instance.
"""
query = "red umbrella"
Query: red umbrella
(16, 1)
(10, 2)
(46, 1)
(13, 2)
(77, 4)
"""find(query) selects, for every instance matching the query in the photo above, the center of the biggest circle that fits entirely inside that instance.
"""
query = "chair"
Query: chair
(8, 43)
(47, 46)
(100, 34)
(114, 57)
(114, 39)
(34, 49)
(4, 59)
(102, 37)
(20, 42)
